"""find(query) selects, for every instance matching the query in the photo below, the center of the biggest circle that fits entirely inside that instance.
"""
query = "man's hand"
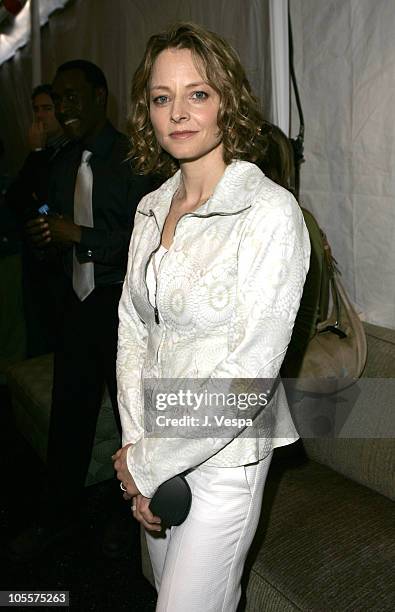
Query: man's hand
(58, 230)
(63, 230)
(37, 135)
(38, 232)
(141, 511)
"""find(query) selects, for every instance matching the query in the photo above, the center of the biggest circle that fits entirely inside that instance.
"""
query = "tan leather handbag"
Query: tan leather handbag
(336, 356)
(335, 353)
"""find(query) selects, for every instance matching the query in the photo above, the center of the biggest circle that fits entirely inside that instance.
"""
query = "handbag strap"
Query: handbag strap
(332, 323)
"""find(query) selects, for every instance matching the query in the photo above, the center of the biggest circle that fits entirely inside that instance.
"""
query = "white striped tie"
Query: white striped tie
(83, 273)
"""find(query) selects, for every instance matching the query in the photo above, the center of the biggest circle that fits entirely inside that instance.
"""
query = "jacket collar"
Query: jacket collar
(233, 193)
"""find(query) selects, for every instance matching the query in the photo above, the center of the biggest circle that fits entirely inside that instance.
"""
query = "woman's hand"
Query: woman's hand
(140, 507)
(123, 474)
(143, 514)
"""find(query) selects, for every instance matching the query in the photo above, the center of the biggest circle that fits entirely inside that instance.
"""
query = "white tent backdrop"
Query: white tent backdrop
(345, 66)
(16, 32)
(344, 61)
(113, 34)
(279, 52)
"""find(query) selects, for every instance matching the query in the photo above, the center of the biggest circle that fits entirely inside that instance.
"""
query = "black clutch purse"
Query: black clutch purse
(172, 501)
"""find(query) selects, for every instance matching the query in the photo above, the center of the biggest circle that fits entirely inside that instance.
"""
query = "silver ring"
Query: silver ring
(123, 488)
(134, 508)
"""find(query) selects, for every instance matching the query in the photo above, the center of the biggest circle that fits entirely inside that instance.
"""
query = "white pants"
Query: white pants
(198, 565)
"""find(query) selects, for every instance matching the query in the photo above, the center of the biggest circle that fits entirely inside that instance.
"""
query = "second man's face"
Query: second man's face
(78, 105)
(44, 114)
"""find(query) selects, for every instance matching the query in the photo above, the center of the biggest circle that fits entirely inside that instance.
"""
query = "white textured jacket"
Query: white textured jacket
(228, 292)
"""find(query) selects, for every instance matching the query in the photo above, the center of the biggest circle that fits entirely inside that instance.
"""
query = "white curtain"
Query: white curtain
(344, 62)
(279, 54)
(15, 32)
(344, 59)
(113, 34)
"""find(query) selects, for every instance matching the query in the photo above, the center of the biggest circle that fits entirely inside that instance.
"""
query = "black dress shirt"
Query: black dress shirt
(116, 194)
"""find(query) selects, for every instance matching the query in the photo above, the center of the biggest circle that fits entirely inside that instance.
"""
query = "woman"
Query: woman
(217, 263)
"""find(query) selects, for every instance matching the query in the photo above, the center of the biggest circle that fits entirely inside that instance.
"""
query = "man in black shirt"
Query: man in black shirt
(24, 196)
(87, 343)
(46, 140)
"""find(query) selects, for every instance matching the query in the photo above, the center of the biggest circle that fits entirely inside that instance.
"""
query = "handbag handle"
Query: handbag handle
(332, 323)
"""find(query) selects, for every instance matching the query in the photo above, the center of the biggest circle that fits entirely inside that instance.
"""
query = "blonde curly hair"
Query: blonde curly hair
(239, 117)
